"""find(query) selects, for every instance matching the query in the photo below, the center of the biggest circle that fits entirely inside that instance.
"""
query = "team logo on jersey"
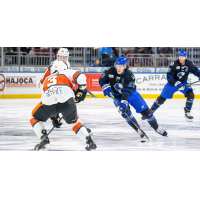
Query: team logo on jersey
(118, 87)
(178, 67)
(118, 78)
(111, 76)
(181, 74)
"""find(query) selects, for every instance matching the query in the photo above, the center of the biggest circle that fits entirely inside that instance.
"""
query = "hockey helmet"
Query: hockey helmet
(182, 53)
(63, 52)
(121, 61)
(58, 66)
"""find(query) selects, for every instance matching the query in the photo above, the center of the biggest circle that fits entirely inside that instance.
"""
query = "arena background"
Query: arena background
(21, 68)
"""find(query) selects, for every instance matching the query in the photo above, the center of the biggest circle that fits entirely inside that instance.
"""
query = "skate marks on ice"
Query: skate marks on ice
(111, 132)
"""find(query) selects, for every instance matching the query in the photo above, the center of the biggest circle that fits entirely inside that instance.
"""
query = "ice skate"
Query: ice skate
(188, 117)
(45, 144)
(161, 131)
(90, 144)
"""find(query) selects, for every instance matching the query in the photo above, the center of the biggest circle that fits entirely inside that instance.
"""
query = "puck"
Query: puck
(142, 141)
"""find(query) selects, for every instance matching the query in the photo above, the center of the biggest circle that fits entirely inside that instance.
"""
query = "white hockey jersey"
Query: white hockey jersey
(58, 88)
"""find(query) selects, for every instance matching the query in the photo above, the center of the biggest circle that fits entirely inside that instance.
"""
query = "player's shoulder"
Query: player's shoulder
(51, 64)
(190, 63)
(109, 70)
(129, 72)
(175, 63)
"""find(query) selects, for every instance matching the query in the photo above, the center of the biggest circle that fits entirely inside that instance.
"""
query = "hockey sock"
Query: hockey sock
(159, 101)
(80, 130)
(189, 105)
(38, 127)
(152, 121)
(190, 99)
(129, 121)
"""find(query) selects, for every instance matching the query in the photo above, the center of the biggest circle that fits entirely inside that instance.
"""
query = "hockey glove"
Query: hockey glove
(80, 94)
(123, 106)
(107, 90)
(55, 121)
(179, 85)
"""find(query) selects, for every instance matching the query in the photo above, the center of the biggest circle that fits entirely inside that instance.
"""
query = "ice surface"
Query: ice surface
(111, 132)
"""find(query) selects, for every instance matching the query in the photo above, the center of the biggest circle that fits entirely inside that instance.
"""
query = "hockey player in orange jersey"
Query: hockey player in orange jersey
(58, 97)
(62, 55)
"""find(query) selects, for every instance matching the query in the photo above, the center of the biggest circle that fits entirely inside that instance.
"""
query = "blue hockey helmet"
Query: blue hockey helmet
(121, 61)
(182, 53)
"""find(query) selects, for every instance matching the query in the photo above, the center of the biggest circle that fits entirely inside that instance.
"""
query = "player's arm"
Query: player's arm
(104, 83)
(195, 70)
(129, 86)
(78, 78)
(170, 74)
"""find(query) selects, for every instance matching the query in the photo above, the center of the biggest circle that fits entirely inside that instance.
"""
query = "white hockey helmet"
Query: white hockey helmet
(58, 66)
(63, 52)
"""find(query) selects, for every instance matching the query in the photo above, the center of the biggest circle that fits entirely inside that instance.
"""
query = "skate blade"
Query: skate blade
(188, 120)
(47, 148)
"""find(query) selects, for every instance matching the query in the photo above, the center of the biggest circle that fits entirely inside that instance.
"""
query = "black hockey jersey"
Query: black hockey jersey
(122, 85)
(179, 72)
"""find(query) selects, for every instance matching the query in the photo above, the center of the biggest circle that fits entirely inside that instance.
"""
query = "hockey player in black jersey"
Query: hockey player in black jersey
(120, 82)
(177, 76)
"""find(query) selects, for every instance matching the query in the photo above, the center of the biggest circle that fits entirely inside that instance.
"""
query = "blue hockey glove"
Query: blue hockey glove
(123, 105)
(179, 85)
(199, 77)
(107, 90)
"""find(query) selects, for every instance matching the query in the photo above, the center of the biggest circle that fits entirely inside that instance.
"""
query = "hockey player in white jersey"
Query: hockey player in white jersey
(58, 97)
(62, 55)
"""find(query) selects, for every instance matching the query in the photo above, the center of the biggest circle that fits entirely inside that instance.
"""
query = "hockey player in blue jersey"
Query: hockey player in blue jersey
(177, 76)
(119, 81)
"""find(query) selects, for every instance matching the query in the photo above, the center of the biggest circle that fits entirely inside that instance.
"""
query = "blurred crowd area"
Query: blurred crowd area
(91, 56)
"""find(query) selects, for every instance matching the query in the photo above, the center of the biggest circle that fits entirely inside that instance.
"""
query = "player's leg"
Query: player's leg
(131, 117)
(159, 101)
(39, 115)
(190, 98)
(141, 107)
(167, 93)
(69, 112)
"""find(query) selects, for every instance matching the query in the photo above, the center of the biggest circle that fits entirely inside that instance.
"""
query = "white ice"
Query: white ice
(110, 130)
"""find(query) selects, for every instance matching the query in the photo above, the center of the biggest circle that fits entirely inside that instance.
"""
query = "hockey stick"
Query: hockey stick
(91, 95)
(192, 83)
(36, 146)
(112, 97)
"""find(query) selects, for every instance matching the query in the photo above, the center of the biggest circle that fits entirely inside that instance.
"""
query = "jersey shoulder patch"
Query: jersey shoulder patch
(169, 69)
(172, 64)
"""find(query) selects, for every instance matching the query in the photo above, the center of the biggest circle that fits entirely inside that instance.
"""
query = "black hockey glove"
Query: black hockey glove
(55, 121)
(80, 94)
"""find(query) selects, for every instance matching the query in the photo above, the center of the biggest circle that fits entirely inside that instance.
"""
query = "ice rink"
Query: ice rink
(110, 131)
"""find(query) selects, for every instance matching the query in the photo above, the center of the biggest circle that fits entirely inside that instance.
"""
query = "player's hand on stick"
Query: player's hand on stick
(55, 121)
(179, 85)
(107, 90)
(123, 106)
(80, 94)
